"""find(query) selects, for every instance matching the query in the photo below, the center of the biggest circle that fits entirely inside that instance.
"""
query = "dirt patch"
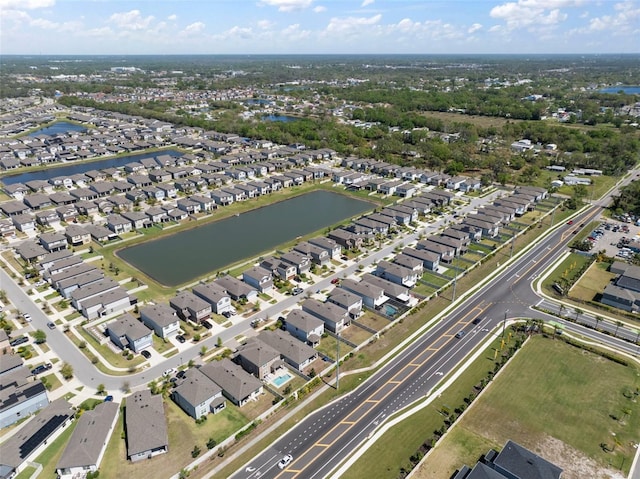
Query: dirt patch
(575, 464)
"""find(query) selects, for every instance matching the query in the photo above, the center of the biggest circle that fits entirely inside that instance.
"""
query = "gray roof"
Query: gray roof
(303, 320)
(127, 325)
(210, 292)
(106, 298)
(17, 448)
(93, 289)
(236, 383)
(362, 288)
(187, 300)
(160, 314)
(521, 462)
(145, 422)
(197, 388)
(290, 347)
(90, 436)
(256, 352)
(328, 311)
(391, 289)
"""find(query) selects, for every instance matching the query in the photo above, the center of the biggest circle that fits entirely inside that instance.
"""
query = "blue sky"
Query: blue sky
(76, 27)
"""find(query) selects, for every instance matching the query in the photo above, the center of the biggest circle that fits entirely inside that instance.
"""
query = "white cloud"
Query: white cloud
(194, 27)
(265, 24)
(348, 25)
(623, 22)
(172, 18)
(294, 32)
(532, 13)
(26, 4)
(320, 9)
(236, 32)
(131, 20)
(474, 28)
(367, 2)
(59, 27)
(288, 5)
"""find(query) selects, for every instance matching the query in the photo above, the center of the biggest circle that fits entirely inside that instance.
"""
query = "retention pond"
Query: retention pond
(189, 254)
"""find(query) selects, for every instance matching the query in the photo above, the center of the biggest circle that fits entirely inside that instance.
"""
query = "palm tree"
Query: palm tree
(618, 324)
(578, 312)
(598, 319)
(561, 309)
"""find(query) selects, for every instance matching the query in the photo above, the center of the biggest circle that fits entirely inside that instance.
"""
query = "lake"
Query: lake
(57, 128)
(629, 90)
(189, 254)
(82, 166)
(280, 118)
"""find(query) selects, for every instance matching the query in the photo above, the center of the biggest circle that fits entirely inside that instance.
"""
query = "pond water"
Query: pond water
(69, 169)
(629, 90)
(189, 254)
(280, 118)
(57, 128)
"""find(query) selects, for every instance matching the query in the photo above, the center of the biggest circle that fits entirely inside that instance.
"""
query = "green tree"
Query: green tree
(195, 452)
(39, 336)
(101, 389)
(66, 370)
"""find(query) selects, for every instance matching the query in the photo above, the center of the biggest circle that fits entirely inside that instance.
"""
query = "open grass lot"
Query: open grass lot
(355, 334)
(328, 347)
(564, 418)
(567, 269)
(592, 282)
(434, 279)
(184, 433)
(372, 320)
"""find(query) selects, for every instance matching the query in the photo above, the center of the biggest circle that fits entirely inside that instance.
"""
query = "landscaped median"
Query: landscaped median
(569, 405)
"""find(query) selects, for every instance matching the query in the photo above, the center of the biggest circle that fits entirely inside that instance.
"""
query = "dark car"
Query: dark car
(108, 398)
(335, 280)
(19, 341)
(146, 354)
(477, 320)
(40, 369)
(181, 374)
(180, 338)
(226, 314)
(207, 324)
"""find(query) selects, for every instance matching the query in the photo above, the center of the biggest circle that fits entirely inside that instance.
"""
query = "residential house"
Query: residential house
(329, 245)
(237, 289)
(624, 293)
(301, 261)
(279, 268)
(25, 223)
(296, 353)
(445, 253)
(260, 278)
(118, 224)
(346, 300)
(258, 358)
(345, 238)
(22, 394)
(77, 235)
(215, 295)
(190, 307)
(85, 293)
(318, 255)
(237, 385)
(372, 296)
(127, 332)
(198, 395)
(304, 326)
(396, 273)
(88, 443)
(391, 289)
(335, 318)
(146, 426)
(161, 318)
(53, 241)
(108, 303)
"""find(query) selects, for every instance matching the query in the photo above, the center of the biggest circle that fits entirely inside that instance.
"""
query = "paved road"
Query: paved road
(326, 438)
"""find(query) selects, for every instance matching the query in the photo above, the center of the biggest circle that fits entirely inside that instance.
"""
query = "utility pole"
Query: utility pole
(338, 361)
(504, 323)
(455, 280)
(513, 240)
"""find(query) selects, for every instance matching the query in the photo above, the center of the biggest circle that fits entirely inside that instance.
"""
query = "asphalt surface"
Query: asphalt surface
(323, 440)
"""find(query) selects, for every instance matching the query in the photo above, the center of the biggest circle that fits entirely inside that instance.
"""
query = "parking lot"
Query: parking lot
(614, 233)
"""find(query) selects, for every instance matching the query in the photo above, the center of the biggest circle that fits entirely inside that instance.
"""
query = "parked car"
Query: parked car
(169, 372)
(51, 325)
(207, 324)
(145, 354)
(285, 461)
(226, 314)
(108, 398)
(181, 374)
(180, 338)
(19, 341)
(335, 280)
(297, 291)
(256, 322)
(27, 317)
(42, 368)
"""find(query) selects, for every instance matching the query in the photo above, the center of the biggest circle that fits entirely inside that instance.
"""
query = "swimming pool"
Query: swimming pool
(390, 310)
(281, 380)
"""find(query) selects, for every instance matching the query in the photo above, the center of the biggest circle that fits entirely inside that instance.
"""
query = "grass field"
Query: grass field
(567, 269)
(592, 282)
(564, 418)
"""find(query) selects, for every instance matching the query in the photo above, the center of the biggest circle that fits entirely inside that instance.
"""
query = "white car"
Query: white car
(27, 317)
(169, 372)
(285, 461)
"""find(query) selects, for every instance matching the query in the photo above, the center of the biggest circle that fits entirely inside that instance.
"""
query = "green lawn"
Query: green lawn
(567, 269)
(184, 433)
(592, 282)
(576, 394)
(51, 455)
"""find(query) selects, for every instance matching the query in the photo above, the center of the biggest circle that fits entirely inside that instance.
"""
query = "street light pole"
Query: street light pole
(504, 323)
(338, 361)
